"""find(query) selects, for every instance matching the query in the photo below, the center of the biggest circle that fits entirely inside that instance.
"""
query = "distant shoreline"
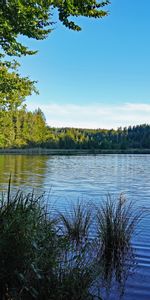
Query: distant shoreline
(41, 151)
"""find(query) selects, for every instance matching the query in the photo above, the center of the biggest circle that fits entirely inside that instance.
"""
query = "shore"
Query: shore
(41, 151)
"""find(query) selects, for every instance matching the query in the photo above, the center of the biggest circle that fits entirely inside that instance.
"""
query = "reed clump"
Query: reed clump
(76, 223)
(42, 257)
(117, 220)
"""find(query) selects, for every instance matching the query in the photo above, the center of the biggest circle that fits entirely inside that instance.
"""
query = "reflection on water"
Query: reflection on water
(24, 170)
(117, 220)
(113, 278)
(90, 178)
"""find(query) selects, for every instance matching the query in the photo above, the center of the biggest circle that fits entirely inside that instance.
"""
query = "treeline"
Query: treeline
(24, 129)
(20, 128)
(122, 138)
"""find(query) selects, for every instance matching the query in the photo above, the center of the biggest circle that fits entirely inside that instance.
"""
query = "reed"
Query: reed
(116, 224)
(76, 223)
(45, 258)
(27, 245)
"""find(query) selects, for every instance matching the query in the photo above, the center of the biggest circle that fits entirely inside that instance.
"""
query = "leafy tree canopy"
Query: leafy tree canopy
(13, 88)
(33, 19)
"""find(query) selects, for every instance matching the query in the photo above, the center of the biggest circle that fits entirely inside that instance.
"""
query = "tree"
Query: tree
(13, 88)
(33, 19)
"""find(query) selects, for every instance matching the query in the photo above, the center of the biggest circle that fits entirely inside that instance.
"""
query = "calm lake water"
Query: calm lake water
(90, 178)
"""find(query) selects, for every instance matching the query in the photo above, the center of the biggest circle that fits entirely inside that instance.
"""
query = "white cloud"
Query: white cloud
(96, 115)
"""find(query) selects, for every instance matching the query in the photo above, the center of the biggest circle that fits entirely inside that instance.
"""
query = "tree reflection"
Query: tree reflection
(25, 170)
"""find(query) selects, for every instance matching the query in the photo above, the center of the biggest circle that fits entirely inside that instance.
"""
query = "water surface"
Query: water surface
(90, 178)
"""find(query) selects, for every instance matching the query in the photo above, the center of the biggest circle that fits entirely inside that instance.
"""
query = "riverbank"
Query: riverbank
(41, 151)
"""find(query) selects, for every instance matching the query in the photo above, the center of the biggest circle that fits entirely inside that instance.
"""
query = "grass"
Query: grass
(116, 224)
(45, 258)
(27, 246)
(76, 223)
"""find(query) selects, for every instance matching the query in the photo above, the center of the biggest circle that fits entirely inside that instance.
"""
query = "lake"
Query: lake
(66, 179)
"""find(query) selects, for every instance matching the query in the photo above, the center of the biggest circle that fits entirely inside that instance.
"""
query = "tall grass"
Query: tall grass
(116, 224)
(45, 258)
(28, 246)
(78, 260)
(76, 223)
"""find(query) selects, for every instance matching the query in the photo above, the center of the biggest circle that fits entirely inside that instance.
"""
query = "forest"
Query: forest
(25, 129)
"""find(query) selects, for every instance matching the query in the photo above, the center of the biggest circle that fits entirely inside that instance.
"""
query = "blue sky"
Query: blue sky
(99, 77)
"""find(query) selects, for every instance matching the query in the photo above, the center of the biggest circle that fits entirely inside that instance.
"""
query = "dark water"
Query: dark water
(69, 178)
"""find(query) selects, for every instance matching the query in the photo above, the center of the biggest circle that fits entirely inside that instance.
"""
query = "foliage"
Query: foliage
(21, 128)
(136, 137)
(77, 8)
(32, 19)
(13, 88)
